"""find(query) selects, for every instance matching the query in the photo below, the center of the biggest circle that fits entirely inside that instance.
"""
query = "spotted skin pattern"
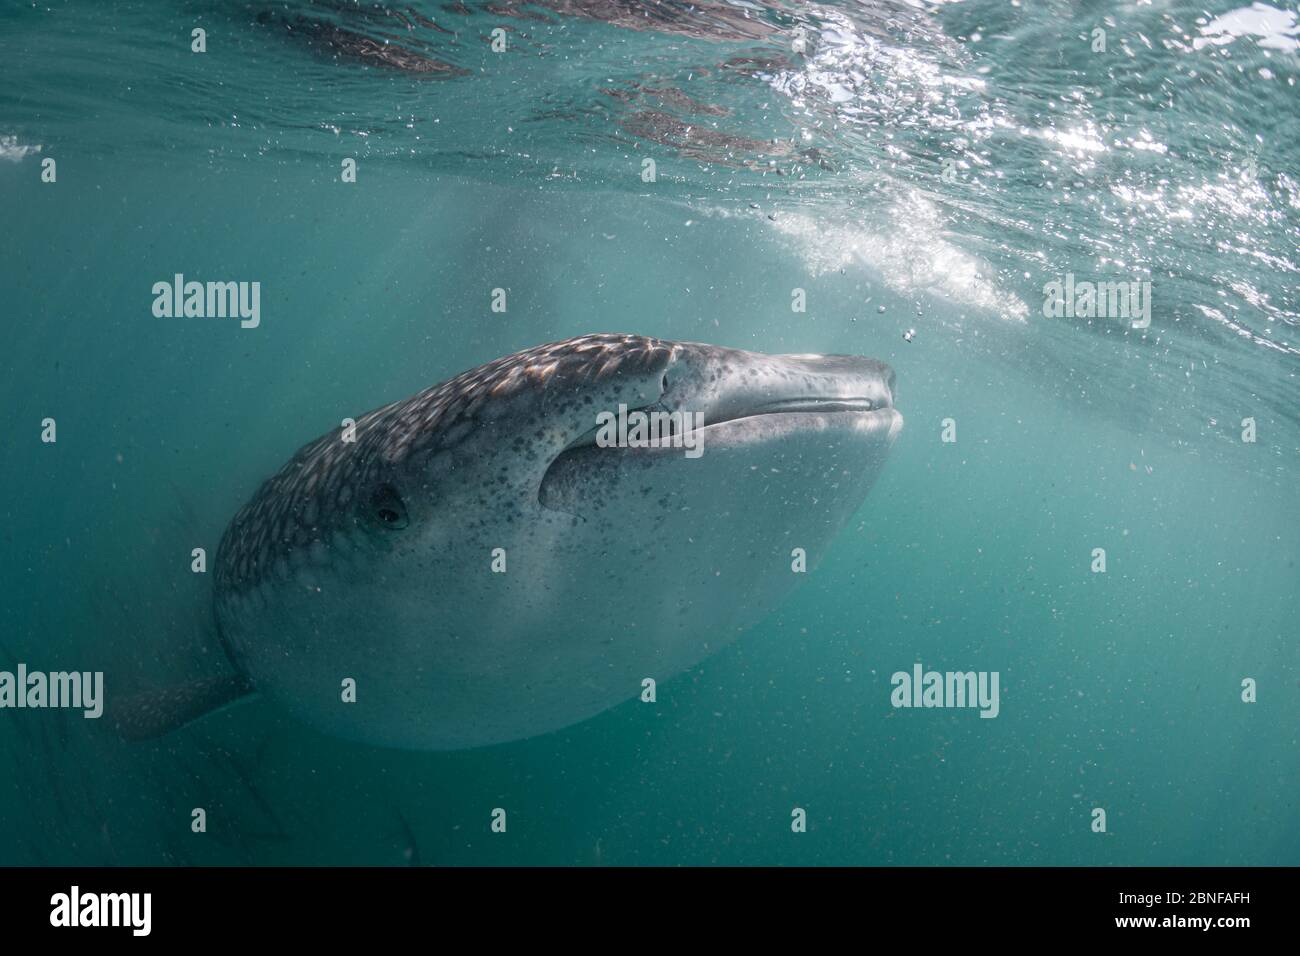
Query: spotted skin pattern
(317, 495)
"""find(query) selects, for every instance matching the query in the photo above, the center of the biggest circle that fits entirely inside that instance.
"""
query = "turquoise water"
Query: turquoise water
(1169, 158)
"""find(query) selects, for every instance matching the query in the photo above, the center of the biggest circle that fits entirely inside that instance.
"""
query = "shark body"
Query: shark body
(478, 568)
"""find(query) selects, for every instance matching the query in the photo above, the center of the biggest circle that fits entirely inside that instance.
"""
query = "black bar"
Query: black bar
(330, 905)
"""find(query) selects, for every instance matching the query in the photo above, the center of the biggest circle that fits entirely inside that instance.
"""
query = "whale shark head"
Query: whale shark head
(520, 547)
(804, 416)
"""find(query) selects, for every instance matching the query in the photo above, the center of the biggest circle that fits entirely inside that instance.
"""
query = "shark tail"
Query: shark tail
(151, 714)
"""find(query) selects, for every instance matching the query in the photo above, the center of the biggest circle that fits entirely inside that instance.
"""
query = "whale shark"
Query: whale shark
(471, 565)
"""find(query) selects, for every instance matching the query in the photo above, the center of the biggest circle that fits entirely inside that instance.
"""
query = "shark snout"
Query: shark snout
(851, 379)
(728, 384)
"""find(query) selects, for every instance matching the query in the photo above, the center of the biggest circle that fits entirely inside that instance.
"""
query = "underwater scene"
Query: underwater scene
(611, 433)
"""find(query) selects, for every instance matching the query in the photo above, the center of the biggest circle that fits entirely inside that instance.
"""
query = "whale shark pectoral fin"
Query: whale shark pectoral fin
(155, 713)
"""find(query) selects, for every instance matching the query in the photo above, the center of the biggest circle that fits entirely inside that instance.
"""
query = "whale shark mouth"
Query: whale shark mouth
(866, 418)
(806, 436)
(816, 405)
(678, 423)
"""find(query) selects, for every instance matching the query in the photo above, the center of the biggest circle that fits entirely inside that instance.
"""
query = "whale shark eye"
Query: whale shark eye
(387, 509)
